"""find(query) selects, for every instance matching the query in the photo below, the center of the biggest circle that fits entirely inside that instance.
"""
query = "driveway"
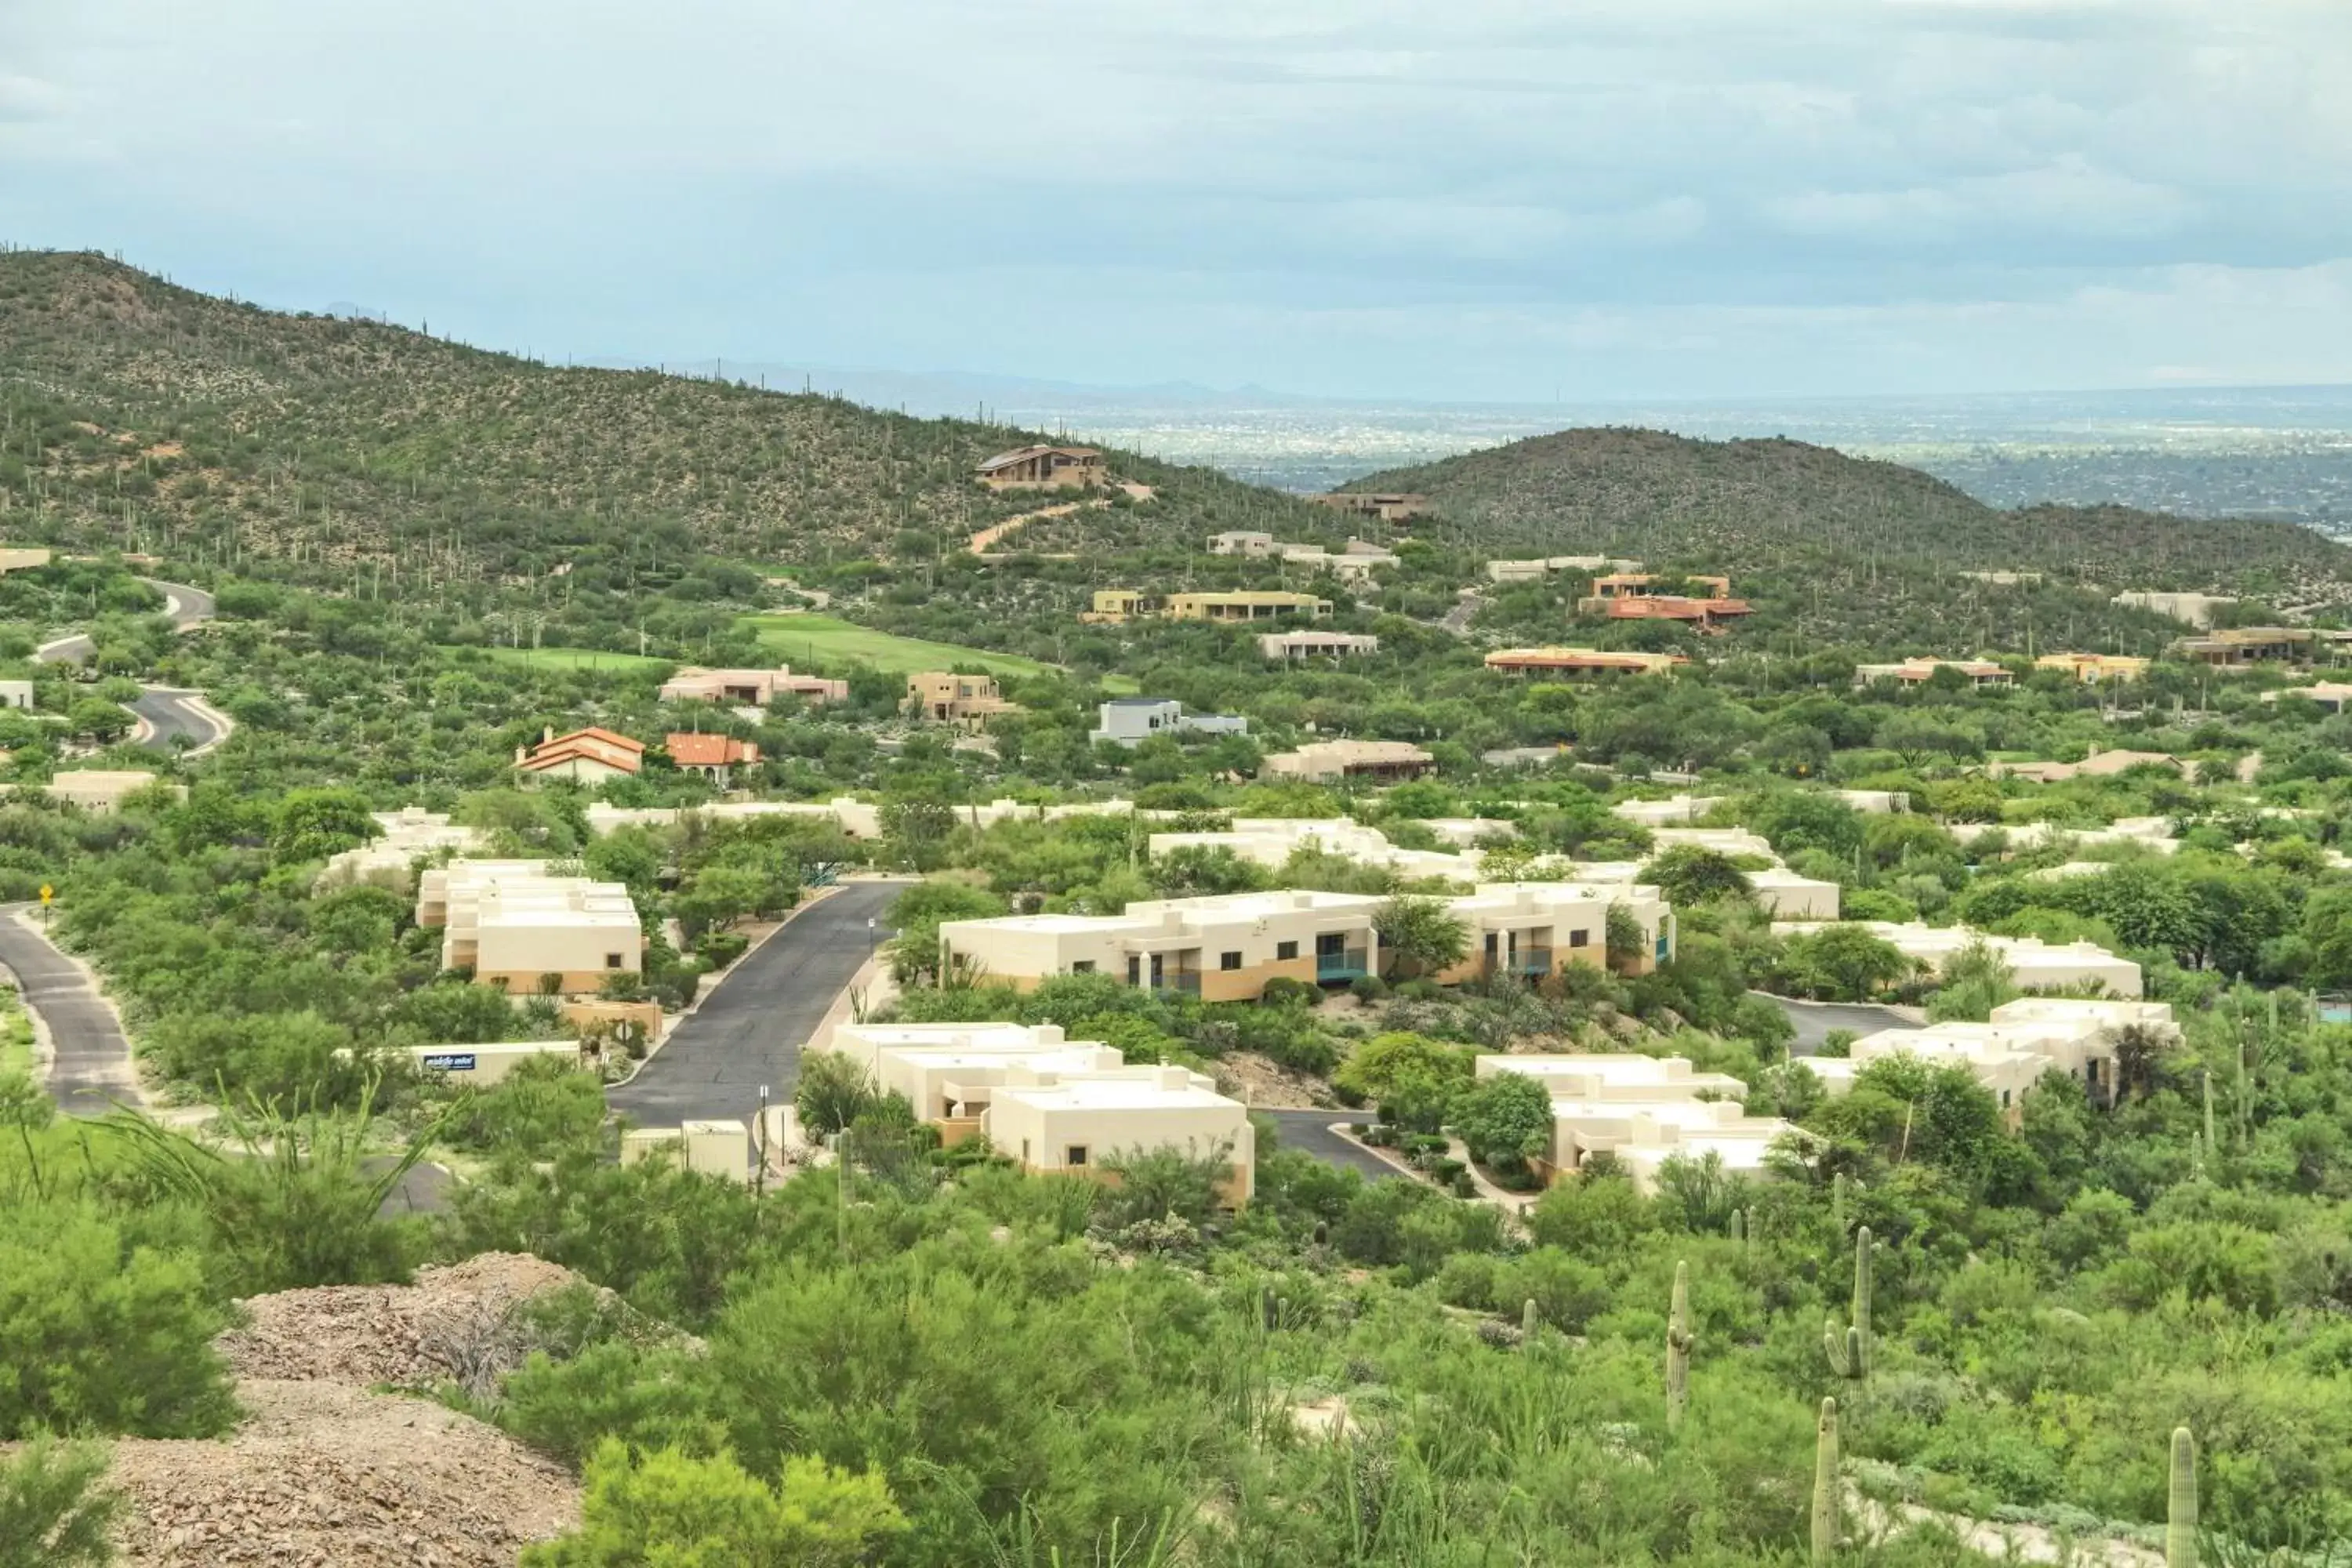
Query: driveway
(90, 1065)
(748, 1030)
(1310, 1132)
(1814, 1020)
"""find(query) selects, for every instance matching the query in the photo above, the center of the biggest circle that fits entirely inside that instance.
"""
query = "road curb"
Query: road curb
(136, 1089)
(703, 993)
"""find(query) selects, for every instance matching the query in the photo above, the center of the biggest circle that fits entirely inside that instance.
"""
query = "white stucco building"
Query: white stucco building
(512, 924)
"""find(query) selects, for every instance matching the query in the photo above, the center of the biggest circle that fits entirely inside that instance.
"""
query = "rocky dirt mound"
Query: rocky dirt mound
(323, 1475)
(444, 1327)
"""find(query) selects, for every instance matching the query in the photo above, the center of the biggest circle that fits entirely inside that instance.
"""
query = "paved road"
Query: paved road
(1814, 1020)
(1310, 1132)
(170, 712)
(91, 1066)
(751, 1029)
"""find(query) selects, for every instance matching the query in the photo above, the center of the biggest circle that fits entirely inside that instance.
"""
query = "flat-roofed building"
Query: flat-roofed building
(1674, 809)
(1572, 663)
(1131, 720)
(17, 694)
(1295, 645)
(2328, 694)
(2094, 666)
(1786, 896)
(2098, 766)
(2237, 646)
(1715, 840)
(1045, 468)
(1247, 605)
(946, 697)
(2194, 609)
(513, 924)
(1643, 1111)
(1221, 949)
(1114, 607)
(2020, 1041)
(22, 558)
(752, 687)
(1533, 930)
(481, 1065)
(1270, 842)
(2034, 965)
(101, 791)
(1385, 506)
(1052, 1104)
(405, 837)
(1321, 761)
(1070, 1125)
(1875, 802)
(1980, 673)
(1539, 568)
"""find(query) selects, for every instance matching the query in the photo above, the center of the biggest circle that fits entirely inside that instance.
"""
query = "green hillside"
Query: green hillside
(151, 416)
(1758, 503)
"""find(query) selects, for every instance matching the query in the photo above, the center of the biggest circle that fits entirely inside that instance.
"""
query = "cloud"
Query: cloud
(1662, 188)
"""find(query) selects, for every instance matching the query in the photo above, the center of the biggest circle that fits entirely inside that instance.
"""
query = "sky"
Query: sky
(1491, 200)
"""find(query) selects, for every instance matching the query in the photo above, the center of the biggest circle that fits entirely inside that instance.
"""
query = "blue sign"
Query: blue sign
(450, 1061)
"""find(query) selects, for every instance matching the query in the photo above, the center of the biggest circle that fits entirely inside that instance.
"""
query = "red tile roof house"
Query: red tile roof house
(712, 756)
(586, 756)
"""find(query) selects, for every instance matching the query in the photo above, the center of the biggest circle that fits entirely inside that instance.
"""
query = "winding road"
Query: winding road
(1814, 1020)
(750, 1029)
(90, 1065)
(166, 713)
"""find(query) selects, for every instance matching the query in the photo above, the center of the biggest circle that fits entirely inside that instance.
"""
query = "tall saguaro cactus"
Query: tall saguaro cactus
(1825, 1486)
(1849, 1353)
(1678, 1349)
(2180, 1509)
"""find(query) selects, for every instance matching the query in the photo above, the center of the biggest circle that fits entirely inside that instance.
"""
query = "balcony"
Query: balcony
(1347, 964)
(1182, 982)
(1532, 960)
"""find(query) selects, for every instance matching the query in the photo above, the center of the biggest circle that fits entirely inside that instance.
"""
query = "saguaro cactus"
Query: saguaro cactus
(2180, 1511)
(1528, 1319)
(1825, 1486)
(1849, 1353)
(1678, 1349)
(1739, 1224)
(1837, 1201)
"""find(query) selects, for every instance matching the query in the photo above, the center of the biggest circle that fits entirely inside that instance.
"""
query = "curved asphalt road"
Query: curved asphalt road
(1310, 1132)
(170, 712)
(90, 1065)
(748, 1030)
(1814, 1020)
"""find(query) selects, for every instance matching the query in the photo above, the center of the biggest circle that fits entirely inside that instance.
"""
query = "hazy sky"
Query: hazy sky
(1436, 198)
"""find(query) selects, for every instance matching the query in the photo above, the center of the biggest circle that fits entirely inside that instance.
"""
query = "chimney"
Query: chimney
(1172, 1077)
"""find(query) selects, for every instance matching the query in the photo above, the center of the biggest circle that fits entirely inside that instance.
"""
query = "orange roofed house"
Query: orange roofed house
(584, 756)
(715, 757)
(1569, 663)
(1045, 468)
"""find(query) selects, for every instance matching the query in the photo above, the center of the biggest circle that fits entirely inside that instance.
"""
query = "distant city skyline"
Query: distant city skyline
(1472, 201)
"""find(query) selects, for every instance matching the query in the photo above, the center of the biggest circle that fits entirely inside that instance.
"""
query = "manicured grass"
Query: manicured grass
(823, 644)
(577, 659)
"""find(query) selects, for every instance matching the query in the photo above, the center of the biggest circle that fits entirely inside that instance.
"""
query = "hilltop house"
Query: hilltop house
(1114, 605)
(1642, 1111)
(2020, 1041)
(1536, 570)
(22, 558)
(2090, 666)
(1287, 646)
(1045, 468)
(1392, 506)
(584, 756)
(714, 757)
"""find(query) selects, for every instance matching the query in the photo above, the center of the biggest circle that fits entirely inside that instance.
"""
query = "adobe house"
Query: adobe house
(513, 924)
(1045, 468)
(1323, 760)
(968, 701)
(1572, 663)
(751, 688)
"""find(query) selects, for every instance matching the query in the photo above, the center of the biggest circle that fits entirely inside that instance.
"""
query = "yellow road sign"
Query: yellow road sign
(47, 892)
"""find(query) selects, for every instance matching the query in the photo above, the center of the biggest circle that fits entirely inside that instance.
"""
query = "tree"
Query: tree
(1410, 1077)
(1418, 936)
(54, 1510)
(672, 1508)
(1506, 1120)
(2327, 927)
(313, 823)
(1625, 941)
(1690, 874)
(101, 720)
(1843, 962)
(917, 828)
(833, 1093)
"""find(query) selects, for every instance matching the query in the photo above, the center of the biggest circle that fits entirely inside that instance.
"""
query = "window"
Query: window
(1229, 961)
(1330, 944)
(2004, 1100)
(1024, 1151)
(1135, 971)
(1075, 1156)
(1580, 939)
(612, 961)
(1285, 951)
(1083, 966)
